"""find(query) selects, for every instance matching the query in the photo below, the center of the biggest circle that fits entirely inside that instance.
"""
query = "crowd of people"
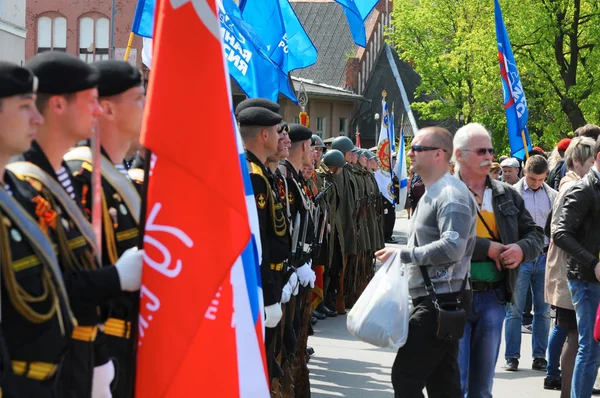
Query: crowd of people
(69, 307)
(321, 221)
(483, 236)
(507, 231)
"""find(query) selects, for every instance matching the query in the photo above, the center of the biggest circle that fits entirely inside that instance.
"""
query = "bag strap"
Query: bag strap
(431, 290)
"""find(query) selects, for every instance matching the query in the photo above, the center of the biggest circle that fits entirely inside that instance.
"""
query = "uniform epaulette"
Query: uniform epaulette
(255, 169)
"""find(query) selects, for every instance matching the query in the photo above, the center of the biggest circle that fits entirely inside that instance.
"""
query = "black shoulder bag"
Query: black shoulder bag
(451, 317)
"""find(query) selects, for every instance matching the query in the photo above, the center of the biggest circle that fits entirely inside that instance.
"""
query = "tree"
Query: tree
(453, 47)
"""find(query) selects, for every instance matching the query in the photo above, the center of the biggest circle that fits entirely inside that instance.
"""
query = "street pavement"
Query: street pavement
(343, 366)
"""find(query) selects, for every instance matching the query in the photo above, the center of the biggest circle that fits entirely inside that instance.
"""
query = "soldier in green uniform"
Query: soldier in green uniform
(329, 170)
(37, 321)
(348, 210)
(67, 98)
(259, 128)
(122, 98)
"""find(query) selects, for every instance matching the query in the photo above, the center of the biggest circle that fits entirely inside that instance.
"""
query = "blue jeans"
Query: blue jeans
(586, 297)
(555, 346)
(479, 347)
(533, 274)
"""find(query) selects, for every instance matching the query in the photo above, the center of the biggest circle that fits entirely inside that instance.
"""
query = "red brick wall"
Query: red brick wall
(72, 10)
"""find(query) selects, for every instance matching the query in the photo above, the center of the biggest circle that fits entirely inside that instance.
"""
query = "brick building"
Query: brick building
(82, 28)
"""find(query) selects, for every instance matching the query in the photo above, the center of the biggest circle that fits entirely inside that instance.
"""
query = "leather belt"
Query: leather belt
(117, 328)
(478, 286)
(34, 370)
(85, 333)
(276, 267)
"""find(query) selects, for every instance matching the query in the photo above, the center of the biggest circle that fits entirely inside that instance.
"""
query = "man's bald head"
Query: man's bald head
(438, 137)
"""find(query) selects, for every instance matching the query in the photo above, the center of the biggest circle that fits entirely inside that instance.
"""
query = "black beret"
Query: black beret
(116, 77)
(16, 80)
(61, 73)
(257, 103)
(255, 116)
(299, 132)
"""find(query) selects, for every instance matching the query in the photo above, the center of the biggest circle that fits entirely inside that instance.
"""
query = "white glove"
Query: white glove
(293, 282)
(306, 275)
(273, 315)
(103, 376)
(129, 267)
(286, 294)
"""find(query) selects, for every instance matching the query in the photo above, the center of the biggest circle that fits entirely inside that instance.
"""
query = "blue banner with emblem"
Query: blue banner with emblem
(515, 105)
(277, 25)
(248, 63)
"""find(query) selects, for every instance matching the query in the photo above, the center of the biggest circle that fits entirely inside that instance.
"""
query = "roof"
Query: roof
(324, 90)
(326, 24)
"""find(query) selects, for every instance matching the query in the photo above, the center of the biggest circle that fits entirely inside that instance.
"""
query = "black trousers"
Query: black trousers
(424, 361)
(389, 218)
(76, 374)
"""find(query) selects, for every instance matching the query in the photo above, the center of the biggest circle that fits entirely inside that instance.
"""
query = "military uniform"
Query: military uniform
(274, 234)
(36, 317)
(120, 220)
(121, 205)
(88, 284)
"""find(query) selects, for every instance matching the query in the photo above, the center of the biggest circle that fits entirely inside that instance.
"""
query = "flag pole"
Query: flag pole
(525, 144)
(129, 44)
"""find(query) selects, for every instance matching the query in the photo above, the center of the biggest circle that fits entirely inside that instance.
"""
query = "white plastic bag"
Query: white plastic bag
(380, 315)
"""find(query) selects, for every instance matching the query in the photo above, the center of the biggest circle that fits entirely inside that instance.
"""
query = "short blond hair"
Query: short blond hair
(580, 149)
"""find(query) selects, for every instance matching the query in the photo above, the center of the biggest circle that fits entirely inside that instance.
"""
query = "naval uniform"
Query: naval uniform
(120, 219)
(88, 285)
(275, 245)
(36, 317)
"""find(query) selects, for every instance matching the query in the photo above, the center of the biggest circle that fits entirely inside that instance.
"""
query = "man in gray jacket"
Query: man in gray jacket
(506, 236)
(441, 238)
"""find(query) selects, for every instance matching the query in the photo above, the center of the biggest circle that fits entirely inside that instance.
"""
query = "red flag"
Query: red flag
(357, 139)
(197, 223)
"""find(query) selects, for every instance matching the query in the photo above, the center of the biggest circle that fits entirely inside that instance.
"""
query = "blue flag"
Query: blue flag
(277, 25)
(515, 105)
(143, 20)
(356, 12)
(245, 54)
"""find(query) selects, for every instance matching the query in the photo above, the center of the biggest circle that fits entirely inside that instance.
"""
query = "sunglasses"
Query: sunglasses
(482, 151)
(423, 148)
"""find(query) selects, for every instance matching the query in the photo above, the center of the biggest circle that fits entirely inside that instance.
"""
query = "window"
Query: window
(93, 38)
(51, 33)
(359, 84)
(376, 40)
(343, 126)
(321, 125)
(297, 119)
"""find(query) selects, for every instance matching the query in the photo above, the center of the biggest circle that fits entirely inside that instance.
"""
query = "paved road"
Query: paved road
(345, 367)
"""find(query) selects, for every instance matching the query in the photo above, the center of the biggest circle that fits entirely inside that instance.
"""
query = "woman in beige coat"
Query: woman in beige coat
(579, 158)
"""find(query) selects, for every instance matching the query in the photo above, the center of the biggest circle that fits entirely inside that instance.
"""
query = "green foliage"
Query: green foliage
(452, 44)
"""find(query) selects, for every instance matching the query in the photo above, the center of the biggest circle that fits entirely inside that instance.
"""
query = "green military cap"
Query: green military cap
(116, 77)
(370, 155)
(316, 141)
(257, 103)
(299, 132)
(334, 158)
(61, 73)
(16, 80)
(255, 116)
(343, 144)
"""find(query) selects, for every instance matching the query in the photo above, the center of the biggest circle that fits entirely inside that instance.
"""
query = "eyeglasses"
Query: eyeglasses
(423, 148)
(482, 151)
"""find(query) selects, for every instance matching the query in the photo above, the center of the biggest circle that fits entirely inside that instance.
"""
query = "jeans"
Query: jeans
(586, 297)
(480, 345)
(529, 274)
(424, 361)
(555, 346)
